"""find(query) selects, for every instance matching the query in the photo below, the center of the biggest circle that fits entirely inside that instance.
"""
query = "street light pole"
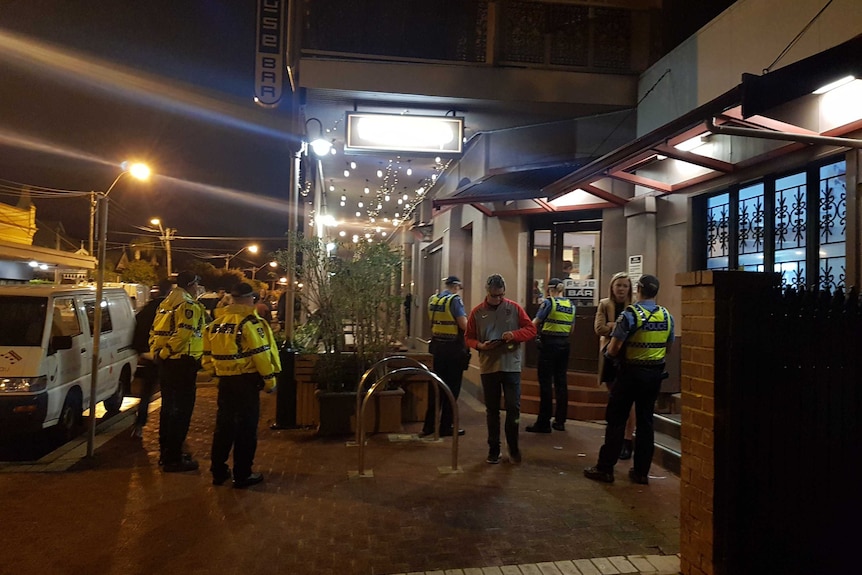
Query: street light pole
(166, 235)
(228, 257)
(141, 172)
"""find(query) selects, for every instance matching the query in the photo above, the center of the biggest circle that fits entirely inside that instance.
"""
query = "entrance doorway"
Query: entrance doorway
(569, 251)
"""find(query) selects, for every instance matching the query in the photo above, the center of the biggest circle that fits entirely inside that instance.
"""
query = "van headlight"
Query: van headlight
(23, 384)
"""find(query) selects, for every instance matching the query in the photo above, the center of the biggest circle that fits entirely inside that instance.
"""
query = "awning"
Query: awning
(507, 186)
(641, 161)
(23, 252)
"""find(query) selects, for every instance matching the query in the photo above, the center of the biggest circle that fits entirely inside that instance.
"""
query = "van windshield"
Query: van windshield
(22, 319)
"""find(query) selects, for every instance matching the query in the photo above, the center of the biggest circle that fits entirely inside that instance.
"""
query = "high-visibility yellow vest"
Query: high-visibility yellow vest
(240, 342)
(443, 323)
(178, 327)
(560, 318)
(647, 344)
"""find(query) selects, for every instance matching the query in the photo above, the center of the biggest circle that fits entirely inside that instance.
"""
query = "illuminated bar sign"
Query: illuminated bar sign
(404, 133)
(269, 52)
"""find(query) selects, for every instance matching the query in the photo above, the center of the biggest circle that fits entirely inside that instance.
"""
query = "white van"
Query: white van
(46, 347)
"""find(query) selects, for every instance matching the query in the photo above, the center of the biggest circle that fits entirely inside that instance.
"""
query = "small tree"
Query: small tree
(140, 272)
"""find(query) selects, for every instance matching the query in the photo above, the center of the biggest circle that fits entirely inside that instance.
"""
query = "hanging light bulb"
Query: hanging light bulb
(346, 173)
(379, 173)
(386, 198)
(361, 205)
(352, 165)
(343, 203)
(342, 233)
(358, 214)
(409, 171)
(343, 198)
(331, 188)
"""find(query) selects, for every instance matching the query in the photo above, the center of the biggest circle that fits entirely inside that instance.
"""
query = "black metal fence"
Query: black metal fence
(788, 445)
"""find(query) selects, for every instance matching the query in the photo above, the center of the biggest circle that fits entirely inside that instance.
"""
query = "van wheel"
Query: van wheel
(69, 425)
(115, 402)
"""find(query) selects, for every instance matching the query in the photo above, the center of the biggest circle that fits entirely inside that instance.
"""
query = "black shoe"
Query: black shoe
(515, 456)
(423, 434)
(626, 452)
(219, 477)
(449, 433)
(597, 474)
(493, 457)
(252, 479)
(638, 478)
(184, 457)
(559, 426)
(536, 428)
(180, 466)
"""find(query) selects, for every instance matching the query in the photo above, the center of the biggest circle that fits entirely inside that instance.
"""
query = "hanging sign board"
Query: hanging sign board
(269, 52)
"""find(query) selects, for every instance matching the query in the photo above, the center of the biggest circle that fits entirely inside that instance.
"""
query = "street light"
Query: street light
(166, 235)
(254, 270)
(320, 145)
(140, 172)
(228, 257)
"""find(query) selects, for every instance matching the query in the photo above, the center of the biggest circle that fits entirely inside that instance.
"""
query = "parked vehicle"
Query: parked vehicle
(46, 346)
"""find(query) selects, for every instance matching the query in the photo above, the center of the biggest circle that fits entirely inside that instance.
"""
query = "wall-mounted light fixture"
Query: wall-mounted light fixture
(320, 145)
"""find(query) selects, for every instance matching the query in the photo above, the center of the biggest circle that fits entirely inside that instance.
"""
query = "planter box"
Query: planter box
(413, 401)
(383, 413)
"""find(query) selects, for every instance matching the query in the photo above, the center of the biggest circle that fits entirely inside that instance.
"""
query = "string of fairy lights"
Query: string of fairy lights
(384, 204)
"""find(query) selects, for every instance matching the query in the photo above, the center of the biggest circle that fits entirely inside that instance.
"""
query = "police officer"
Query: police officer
(448, 323)
(240, 349)
(554, 322)
(639, 341)
(176, 345)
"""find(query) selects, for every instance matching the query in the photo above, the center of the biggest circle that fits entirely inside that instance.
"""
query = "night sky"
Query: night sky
(182, 102)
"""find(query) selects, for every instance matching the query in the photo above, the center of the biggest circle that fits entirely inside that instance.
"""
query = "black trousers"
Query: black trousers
(178, 382)
(448, 366)
(553, 384)
(236, 424)
(638, 385)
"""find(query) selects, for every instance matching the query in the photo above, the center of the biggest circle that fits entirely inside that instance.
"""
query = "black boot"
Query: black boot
(626, 452)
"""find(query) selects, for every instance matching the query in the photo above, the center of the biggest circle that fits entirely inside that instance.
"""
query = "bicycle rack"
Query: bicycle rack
(379, 384)
(383, 363)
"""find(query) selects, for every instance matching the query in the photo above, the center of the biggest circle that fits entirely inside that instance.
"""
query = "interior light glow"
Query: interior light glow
(328, 220)
(346, 173)
(34, 264)
(691, 143)
(836, 84)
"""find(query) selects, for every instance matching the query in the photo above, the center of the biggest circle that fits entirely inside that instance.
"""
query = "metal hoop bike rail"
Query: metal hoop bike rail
(418, 369)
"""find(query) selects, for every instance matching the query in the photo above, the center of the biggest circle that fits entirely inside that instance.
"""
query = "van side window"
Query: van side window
(65, 317)
(90, 307)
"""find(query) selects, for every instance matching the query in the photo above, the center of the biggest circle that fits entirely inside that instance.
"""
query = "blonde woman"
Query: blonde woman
(610, 308)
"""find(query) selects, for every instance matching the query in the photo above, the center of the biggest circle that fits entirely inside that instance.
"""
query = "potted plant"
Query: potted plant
(353, 306)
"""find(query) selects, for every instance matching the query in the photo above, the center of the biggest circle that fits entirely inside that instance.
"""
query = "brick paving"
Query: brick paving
(119, 514)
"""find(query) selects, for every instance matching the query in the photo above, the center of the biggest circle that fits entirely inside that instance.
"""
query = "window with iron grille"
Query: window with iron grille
(794, 224)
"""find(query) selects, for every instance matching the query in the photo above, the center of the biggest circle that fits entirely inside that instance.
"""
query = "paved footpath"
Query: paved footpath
(118, 514)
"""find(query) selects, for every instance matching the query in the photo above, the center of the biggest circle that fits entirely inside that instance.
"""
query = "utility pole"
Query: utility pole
(92, 220)
(169, 232)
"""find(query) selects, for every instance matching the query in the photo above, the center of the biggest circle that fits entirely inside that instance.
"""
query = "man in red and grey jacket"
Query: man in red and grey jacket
(496, 328)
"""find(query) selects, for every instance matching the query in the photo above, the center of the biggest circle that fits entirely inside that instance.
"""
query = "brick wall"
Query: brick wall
(697, 381)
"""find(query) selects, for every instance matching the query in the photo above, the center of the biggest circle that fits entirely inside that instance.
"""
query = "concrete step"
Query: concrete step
(576, 409)
(668, 452)
(669, 424)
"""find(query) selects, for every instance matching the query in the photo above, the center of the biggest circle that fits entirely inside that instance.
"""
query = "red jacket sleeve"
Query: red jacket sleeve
(470, 337)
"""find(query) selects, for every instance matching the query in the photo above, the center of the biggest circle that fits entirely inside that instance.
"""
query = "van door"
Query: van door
(69, 368)
(107, 381)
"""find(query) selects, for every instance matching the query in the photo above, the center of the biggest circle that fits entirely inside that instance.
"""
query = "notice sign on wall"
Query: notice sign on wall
(636, 268)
